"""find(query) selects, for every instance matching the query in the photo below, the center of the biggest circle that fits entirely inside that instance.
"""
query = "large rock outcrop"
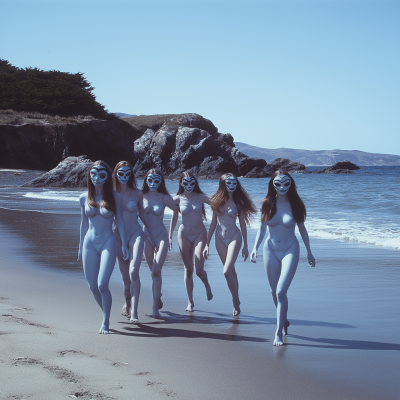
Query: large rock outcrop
(42, 146)
(70, 173)
(340, 167)
(187, 142)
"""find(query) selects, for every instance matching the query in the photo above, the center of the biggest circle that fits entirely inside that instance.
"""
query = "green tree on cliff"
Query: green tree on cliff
(48, 92)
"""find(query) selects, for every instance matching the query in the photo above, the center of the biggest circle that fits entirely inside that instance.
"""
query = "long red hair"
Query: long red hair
(107, 201)
(268, 208)
(161, 189)
(240, 197)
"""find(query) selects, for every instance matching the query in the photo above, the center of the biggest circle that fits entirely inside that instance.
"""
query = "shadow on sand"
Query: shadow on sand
(345, 344)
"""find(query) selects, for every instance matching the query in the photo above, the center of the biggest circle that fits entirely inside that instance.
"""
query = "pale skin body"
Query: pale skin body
(281, 256)
(228, 252)
(155, 257)
(130, 267)
(98, 249)
(192, 227)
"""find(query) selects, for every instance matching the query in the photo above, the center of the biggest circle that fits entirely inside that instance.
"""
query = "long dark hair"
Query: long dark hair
(196, 189)
(240, 197)
(107, 201)
(132, 179)
(268, 208)
(161, 189)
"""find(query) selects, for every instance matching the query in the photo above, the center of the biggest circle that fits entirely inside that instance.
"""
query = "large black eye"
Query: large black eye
(287, 184)
(103, 175)
(120, 173)
(277, 184)
(128, 173)
(150, 180)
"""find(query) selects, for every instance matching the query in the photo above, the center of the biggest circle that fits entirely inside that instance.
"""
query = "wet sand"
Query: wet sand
(343, 341)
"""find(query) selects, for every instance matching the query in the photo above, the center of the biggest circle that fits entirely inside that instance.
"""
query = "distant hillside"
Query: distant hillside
(123, 115)
(320, 157)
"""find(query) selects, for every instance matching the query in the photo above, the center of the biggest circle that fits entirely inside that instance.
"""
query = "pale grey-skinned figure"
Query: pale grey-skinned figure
(132, 199)
(155, 199)
(100, 206)
(192, 234)
(230, 202)
(281, 210)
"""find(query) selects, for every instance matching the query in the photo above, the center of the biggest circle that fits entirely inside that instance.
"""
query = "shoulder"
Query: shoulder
(82, 198)
(204, 198)
(177, 198)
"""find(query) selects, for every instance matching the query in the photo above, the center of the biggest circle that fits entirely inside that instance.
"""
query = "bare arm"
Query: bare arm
(306, 240)
(174, 220)
(143, 217)
(259, 238)
(211, 231)
(204, 198)
(243, 228)
(119, 219)
(84, 224)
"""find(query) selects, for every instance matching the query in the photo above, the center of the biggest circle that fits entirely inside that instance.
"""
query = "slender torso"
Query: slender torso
(281, 228)
(154, 208)
(130, 212)
(100, 223)
(192, 214)
(226, 220)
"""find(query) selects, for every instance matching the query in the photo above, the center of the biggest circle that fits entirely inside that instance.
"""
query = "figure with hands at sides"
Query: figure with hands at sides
(192, 234)
(155, 199)
(132, 200)
(98, 245)
(230, 202)
(281, 210)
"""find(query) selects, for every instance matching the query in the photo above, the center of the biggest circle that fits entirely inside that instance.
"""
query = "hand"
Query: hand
(170, 244)
(154, 243)
(311, 259)
(125, 252)
(253, 256)
(79, 255)
(245, 253)
(206, 252)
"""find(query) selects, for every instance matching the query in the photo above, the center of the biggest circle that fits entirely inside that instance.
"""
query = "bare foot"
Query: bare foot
(125, 311)
(160, 303)
(156, 313)
(134, 318)
(209, 293)
(190, 307)
(236, 311)
(278, 340)
(285, 328)
(104, 329)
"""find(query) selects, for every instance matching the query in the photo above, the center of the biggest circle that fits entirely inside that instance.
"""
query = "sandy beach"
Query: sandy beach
(341, 343)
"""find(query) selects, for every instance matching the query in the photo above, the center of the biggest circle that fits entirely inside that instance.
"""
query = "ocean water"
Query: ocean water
(363, 207)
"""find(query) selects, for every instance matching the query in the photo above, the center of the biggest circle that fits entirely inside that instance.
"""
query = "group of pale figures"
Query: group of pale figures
(110, 231)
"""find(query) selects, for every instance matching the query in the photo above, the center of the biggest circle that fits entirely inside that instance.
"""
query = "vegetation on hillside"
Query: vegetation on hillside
(48, 92)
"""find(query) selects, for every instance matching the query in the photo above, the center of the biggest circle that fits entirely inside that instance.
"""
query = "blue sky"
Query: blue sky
(300, 74)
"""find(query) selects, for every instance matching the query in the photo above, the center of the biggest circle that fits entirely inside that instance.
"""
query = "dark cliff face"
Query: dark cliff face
(188, 142)
(43, 146)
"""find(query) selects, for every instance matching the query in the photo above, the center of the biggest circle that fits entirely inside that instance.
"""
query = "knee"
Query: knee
(103, 287)
(155, 273)
(134, 276)
(199, 272)
(126, 281)
(227, 273)
(189, 271)
(281, 294)
(93, 287)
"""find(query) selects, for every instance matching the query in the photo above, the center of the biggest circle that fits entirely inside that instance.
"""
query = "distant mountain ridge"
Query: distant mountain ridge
(320, 157)
(123, 115)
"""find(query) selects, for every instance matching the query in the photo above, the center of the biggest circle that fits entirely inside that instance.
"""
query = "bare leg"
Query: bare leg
(229, 256)
(136, 243)
(107, 262)
(158, 262)
(124, 269)
(199, 245)
(91, 267)
(186, 249)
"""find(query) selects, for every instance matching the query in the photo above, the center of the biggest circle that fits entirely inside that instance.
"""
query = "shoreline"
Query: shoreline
(328, 355)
